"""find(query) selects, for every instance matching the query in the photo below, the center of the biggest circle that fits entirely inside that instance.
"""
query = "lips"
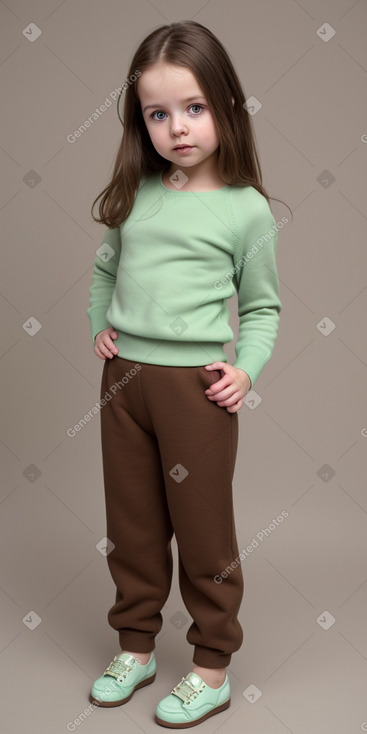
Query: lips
(177, 147)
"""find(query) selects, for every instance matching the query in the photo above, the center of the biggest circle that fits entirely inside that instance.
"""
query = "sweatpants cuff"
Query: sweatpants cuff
(136, 642)
(210, 659)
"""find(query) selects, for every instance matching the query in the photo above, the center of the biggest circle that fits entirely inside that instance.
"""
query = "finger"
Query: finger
(235, 399)
(111, 346)
(235, 408)
(99, 352)
(221, 384)
(225, 394)
(103, 348)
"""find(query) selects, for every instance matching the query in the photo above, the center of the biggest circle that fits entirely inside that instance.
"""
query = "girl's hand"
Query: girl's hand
(103, 345)
(231, 388)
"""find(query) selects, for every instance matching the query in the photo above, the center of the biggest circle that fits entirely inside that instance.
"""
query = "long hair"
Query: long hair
(192, 45)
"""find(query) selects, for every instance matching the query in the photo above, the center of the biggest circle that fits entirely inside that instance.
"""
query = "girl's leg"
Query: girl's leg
(198, 445)
(138, 520)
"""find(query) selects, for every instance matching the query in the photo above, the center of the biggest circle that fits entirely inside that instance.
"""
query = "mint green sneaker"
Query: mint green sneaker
(121, 678)
(191, 702)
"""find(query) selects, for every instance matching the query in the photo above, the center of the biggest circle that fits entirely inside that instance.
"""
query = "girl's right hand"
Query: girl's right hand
(103, 345)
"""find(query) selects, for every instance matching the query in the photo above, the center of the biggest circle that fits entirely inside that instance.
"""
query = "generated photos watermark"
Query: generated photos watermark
(245, 552)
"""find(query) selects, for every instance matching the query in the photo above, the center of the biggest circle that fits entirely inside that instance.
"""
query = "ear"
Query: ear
(233, 100)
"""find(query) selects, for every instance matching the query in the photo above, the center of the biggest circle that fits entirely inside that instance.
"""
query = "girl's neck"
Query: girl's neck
(197, 183)
(202, 177)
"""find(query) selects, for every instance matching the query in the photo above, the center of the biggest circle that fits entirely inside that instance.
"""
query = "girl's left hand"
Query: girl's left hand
(230, 390)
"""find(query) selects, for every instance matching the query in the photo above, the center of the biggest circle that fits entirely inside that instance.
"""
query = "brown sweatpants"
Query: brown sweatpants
(168, 462)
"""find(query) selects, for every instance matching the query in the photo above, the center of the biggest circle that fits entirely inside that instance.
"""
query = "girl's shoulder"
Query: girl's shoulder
(248, 193)
(250, 204)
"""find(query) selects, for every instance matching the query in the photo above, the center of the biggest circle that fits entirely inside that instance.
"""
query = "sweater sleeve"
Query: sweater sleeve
(257, 285)
(103, 280)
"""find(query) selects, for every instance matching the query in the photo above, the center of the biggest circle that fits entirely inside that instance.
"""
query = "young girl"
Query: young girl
(188, 224)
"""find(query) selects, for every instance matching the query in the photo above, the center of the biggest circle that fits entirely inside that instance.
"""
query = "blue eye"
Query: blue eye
(161, 112)
(157, 112)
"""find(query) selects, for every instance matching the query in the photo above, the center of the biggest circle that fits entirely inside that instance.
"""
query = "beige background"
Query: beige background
(302, 441)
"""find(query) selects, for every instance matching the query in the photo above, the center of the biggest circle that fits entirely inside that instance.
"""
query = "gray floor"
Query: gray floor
(302, 667)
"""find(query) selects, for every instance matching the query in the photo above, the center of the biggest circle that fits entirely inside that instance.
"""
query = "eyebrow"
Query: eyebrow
(189, 99)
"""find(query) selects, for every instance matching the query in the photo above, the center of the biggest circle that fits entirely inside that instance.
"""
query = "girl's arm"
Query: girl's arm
(103, 280)
(257, 285)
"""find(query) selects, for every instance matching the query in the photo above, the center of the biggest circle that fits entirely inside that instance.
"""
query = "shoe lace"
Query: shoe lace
(186, 691)
(118, 668)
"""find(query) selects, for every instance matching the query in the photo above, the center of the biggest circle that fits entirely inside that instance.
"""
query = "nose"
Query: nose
(178, 124)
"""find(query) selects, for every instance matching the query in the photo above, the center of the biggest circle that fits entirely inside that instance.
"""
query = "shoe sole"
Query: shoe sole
(107, 704)
(185, 725)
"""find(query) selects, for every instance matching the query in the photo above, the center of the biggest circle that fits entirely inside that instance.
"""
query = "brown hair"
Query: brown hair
(192, 45)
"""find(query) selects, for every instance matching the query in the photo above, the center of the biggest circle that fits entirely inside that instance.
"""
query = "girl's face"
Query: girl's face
(176, 112)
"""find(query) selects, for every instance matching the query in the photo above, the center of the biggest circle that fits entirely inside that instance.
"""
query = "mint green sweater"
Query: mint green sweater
(163, 277)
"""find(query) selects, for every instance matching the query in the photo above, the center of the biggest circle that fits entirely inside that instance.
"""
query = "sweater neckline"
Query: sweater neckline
(189, 193)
